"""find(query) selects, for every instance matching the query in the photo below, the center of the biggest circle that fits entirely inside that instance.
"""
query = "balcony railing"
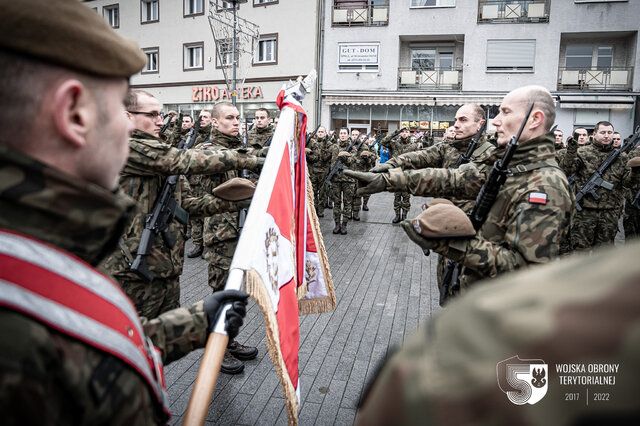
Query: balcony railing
(513, 11)
(359, 13)
(437, 78)
(612, 78)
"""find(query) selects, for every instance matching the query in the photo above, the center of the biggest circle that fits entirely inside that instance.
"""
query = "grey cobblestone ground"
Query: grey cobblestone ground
(384, 286)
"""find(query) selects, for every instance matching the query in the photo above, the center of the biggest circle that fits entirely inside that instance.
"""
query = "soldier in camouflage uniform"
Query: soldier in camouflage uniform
(180, 134)
(398, 146)
(597, 223)
(319, 157)
(580, 311)
(364, 159)
(631, 221)
(531, 210)
(221, 231)
(63, 360)
(142, 178)
(342, 186)
(469, 118)
(261, 131)
(195, 182)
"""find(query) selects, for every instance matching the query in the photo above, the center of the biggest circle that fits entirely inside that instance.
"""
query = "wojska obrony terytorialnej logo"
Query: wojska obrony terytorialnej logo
(525, 381)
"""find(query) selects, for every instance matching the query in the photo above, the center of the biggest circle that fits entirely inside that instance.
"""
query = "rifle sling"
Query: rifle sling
(521, 168)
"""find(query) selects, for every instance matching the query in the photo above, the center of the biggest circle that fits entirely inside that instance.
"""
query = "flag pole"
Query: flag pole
(206, 381)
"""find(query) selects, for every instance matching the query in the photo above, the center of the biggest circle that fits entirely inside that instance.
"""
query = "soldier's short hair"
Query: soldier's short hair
(601, 123)
(343, 128)
(207, 111)
(217, 108)
(544, 102)
(133, 95)
(266, 111)
(478, 112)
(187, 116)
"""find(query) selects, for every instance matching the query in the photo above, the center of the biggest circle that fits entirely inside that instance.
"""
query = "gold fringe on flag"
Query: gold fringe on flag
(256, 288)
(325, 304)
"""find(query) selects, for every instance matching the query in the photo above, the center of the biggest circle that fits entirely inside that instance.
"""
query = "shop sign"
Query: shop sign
(359, 54)
(213, 93)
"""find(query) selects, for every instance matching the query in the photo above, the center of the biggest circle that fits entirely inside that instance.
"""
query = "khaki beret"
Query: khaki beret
(634, 162)
(439, 201)
(443, 221)
(343, 154)
(67, 33)
(365, 154)
(235, 189)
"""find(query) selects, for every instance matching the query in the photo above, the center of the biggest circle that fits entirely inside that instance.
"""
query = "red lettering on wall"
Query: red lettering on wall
(244, 93)
(214, 93)
(207, 94)
(225, 93)
(195, 97)
(258, 92)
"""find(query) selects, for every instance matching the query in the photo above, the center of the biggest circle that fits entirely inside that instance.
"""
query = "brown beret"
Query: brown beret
(634, 162)
(67, 33)
(235, 189)
(343, 154)
(365, 154)
(443, 221)
(439, 201)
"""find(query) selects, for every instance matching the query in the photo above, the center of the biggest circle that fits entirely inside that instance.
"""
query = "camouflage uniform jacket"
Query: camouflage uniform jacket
(519, 230)
(203, 141)
(143, 176)
(347, 161)
(223, 226)
(256, 138)
(363, 163)
(584, 161)
(398, 146)
(319, 158)
(46, 376)
(581, 310)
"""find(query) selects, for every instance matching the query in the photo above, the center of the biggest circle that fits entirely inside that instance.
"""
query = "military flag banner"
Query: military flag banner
(280, 259)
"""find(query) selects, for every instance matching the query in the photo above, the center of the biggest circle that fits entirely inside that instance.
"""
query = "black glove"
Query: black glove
(372, 182)
(213, 305)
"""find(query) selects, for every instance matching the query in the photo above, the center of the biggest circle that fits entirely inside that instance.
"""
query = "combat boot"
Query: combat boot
(364, 206)
(404, 215)
(397, 218)
(230, 364)
(195, 252)
(242, 352)
(336, 230)
(330, 205)
(356, 216)
(343, 228)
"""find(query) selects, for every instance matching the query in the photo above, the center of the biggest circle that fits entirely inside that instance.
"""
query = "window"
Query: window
(224, 5)
(431, 59)
(257, 3)
(152, 60)
(511, 55)
(193, 56)
(112, 14)
(224, 53)
(356, 57)
(148, 11)
(600, 1)
(193, 7)
(581, 57)
(432, 3)
(267, 52)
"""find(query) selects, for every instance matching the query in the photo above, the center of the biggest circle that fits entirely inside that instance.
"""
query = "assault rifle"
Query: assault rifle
(312, 134)
(484, 201)
(466, 157)
(165, 124)
(596, 180)
(339, 166)
(244, 173)
(164, 210)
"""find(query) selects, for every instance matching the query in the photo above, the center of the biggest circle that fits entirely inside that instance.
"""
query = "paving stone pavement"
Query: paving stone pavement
(385, 287)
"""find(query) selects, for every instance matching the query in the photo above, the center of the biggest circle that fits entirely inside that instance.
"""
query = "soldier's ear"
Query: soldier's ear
(75, 111)
(537, 119)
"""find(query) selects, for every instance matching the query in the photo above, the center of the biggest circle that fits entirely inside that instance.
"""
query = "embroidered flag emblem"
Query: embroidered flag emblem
(538, 198)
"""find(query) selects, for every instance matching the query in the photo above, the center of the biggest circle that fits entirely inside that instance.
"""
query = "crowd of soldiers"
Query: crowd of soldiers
(84, 334)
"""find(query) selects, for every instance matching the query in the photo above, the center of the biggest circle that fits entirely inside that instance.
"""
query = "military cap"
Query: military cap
(235, 189)
(67, 33)
(443, 221)
(634, 162)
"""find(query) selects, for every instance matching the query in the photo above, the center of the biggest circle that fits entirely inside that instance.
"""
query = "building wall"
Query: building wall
(173, 86)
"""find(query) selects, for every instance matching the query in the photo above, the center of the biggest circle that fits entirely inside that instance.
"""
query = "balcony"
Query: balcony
(608, 79)
(449, 78)
(513, 11)
(360, 13)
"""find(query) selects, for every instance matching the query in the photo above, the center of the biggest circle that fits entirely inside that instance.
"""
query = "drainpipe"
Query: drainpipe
(319, 61)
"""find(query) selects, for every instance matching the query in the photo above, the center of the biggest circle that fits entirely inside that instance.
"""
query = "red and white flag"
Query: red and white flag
(280, 259)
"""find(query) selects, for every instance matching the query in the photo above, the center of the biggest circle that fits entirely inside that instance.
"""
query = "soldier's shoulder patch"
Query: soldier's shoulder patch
(538, 198)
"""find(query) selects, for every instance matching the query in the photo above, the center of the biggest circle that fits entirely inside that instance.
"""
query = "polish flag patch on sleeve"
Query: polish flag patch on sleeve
(538, 198)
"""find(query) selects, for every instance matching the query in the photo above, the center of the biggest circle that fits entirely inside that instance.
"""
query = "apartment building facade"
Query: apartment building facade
(184, 68)
(414, 62)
